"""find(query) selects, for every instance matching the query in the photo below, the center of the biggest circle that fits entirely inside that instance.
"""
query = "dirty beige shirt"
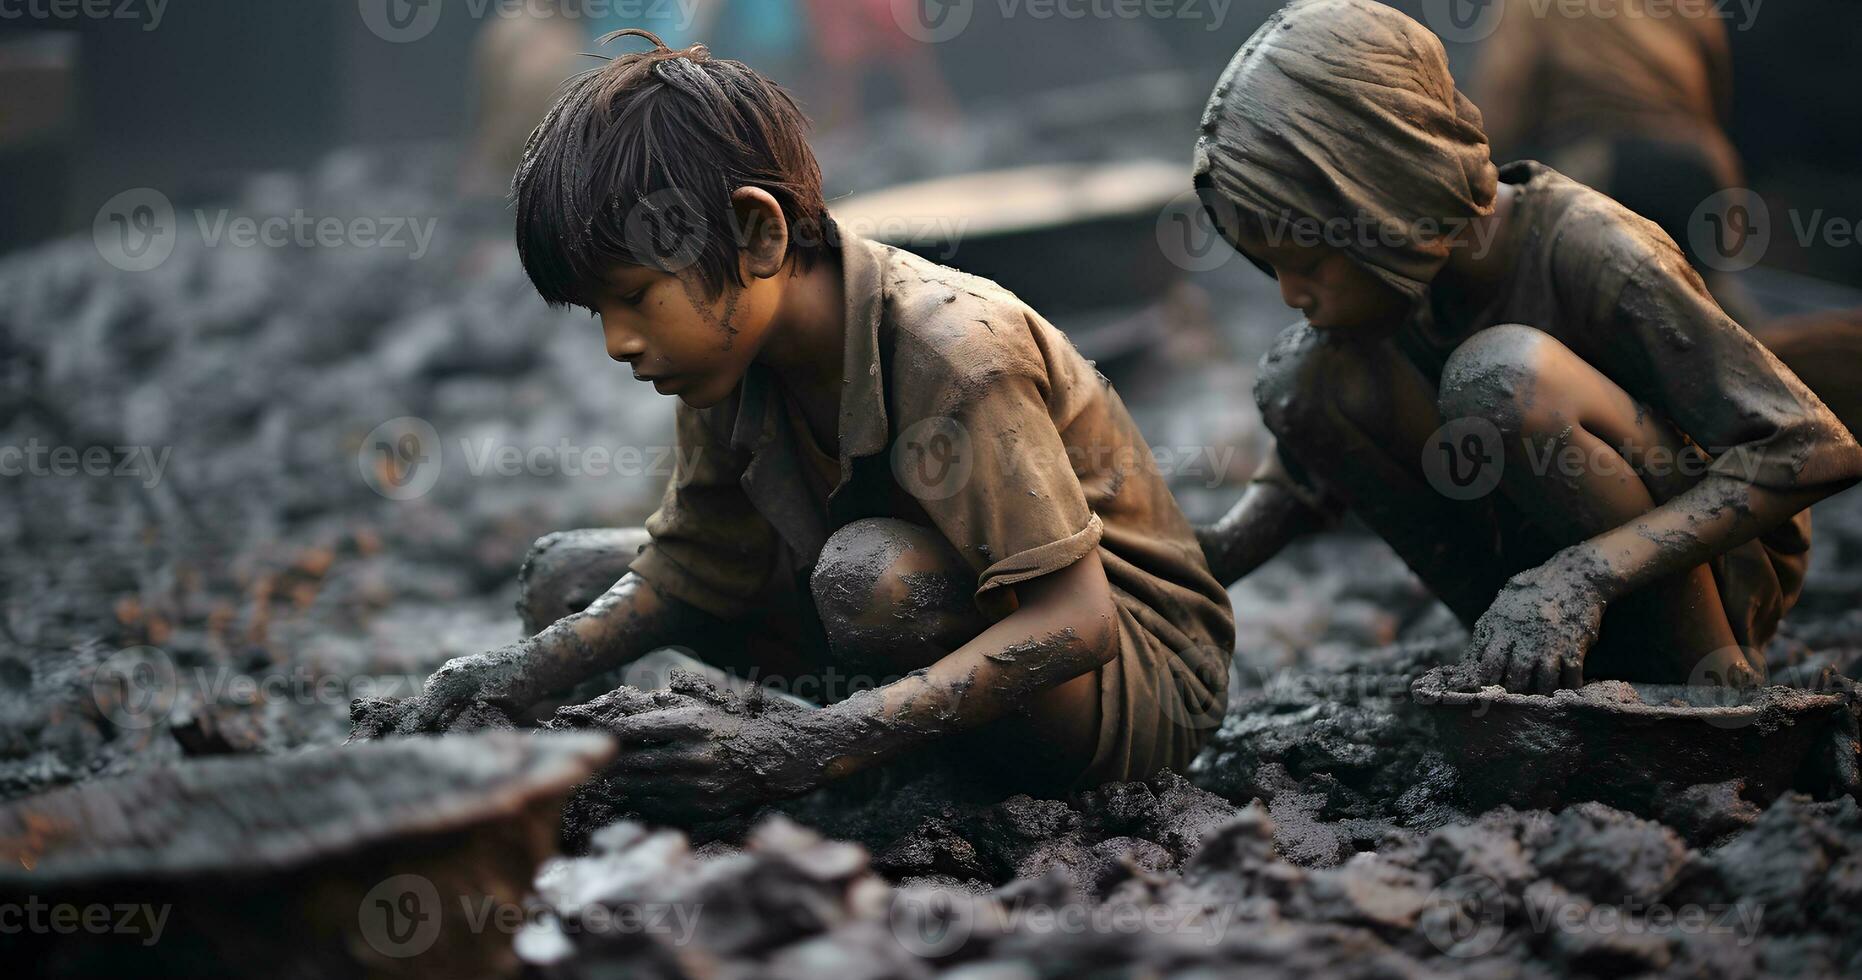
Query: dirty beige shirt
(966, 411)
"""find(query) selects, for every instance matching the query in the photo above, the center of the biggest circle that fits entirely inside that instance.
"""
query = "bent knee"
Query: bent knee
(1308, 385)
(567, 570)
(887, 589)
(1504, 374)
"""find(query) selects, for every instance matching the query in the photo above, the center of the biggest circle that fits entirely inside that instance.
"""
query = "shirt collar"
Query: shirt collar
(863, 423)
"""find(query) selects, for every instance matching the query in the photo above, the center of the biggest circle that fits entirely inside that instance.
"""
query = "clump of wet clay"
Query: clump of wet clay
(373, 718)
(1588, 891)
(211, 866)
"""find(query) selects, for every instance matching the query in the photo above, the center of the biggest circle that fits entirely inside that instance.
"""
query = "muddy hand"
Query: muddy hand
(713, 754)
(1534, 637)
(498, 678)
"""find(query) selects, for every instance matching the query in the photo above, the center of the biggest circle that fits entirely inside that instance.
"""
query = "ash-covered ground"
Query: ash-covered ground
(238, 568)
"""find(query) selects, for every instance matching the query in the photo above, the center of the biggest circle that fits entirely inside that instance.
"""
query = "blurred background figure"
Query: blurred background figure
(1632, 100)
(38, 84)
(522, 56)
(517, 64)
(854, 38)
(1635, 98)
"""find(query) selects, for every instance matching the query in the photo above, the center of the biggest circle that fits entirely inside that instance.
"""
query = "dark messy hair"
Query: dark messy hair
(636, 162)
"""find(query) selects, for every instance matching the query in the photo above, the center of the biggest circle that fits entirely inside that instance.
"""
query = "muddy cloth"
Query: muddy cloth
(1344, 111)
(1586, 91)
(1344, 108)
(966, 411)
(1611, 287)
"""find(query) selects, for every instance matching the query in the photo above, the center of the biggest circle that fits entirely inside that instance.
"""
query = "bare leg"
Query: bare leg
(567, 570)
(1357, 415)
(1582, 457)
(894, 597)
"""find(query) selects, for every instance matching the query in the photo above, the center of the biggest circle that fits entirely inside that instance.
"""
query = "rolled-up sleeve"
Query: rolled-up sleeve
(984, 458)
(710, 547)
(1677, 351)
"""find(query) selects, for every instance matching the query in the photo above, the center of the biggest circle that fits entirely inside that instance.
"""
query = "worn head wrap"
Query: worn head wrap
(1342, 113)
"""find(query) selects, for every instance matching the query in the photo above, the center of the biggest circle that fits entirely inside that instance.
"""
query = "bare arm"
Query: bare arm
(628, 621)
(708, 756)
(1715, 515)
(1266, 519)
(1066, 624)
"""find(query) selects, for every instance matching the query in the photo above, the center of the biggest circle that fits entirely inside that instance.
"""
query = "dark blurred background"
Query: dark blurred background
(218, 88)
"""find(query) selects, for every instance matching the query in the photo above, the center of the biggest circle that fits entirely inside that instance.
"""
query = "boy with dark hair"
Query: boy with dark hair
(898, 472)
(1519, 384)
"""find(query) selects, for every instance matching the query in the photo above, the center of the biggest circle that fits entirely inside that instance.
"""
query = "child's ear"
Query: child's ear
(763, 233)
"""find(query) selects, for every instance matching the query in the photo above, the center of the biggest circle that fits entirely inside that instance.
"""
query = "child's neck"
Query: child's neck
(807, 343)
(1479, 264)
(807, 337)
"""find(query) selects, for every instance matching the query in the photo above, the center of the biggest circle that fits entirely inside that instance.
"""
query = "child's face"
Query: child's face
(685, 342)
(1326, 284)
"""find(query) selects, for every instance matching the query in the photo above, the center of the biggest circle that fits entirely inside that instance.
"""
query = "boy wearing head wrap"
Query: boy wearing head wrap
(1521, 385)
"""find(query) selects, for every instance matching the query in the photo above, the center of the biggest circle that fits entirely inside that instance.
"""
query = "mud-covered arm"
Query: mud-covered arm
(708, 561)
(1271, 514)
(1775, 448)
(1066, 624)
(628, 621)
(696, 752)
